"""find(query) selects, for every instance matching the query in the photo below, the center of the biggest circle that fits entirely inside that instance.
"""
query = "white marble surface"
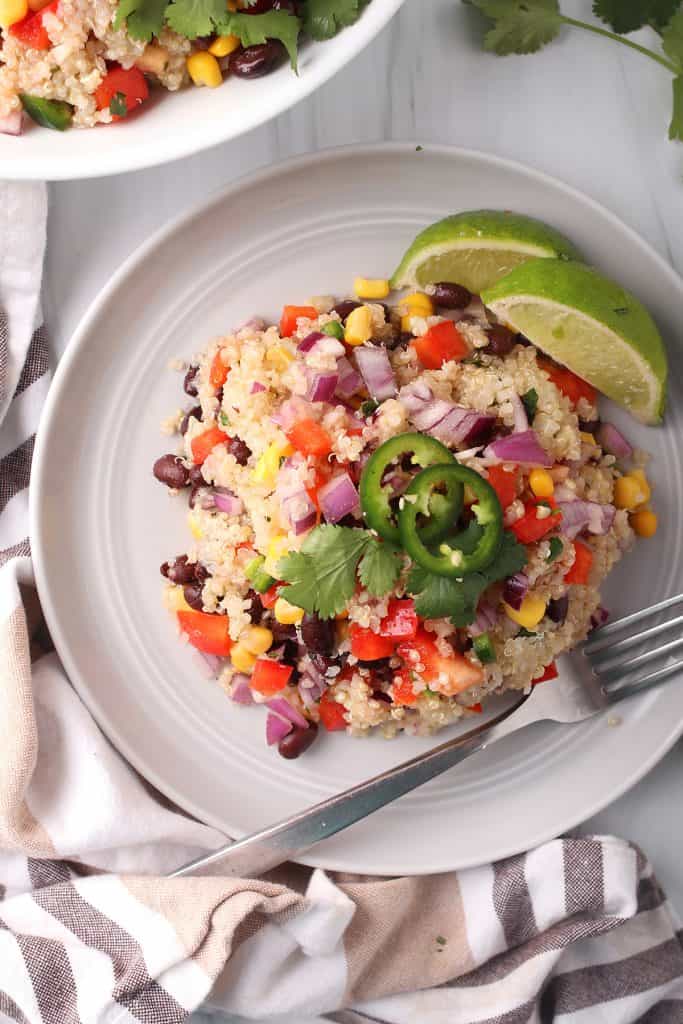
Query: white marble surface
(584, 110)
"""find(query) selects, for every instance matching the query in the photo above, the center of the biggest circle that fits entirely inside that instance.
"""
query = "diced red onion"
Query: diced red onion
(12, 124)
(373, 363)
(431, 413)
(276, 729)
(240, 691)
(614, 442)
(321, 386)
(599, 617)
(515, 590)
(228, 503)
(283, 709)
(255, 323)
(300, 512)
(581, 515)
(469, 453)
(204, 498)
(521, 421)
(350, 380)
(414, 395)
(307, 343)
(256, 387)
(461, 426)
(486, 619)
(563, 493)
(338, 497)
(523, 448)
(291, 410)
(208, 664)
(442, 419)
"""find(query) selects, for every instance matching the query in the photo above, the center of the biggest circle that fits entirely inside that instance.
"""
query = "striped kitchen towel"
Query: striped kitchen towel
(91, 931)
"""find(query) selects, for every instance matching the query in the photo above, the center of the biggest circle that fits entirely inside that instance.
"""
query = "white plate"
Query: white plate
(101, 525)
(179, 124)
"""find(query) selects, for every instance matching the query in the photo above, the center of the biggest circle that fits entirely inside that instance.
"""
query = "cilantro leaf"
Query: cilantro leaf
(676, 126)
(520, 26)
(672, 39)
(627, 15)
(143, 18)
(324, 18)
(380, 567)
(118, 104)
(192, 18)
(322, 576)
(254, 29)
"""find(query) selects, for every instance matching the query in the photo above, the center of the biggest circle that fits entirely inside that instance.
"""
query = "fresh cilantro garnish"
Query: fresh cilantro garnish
(439, 597)
(321, 577)
(324, 18)
(225, 422)
(556, 549)
(192, 18)
(368, 407)
(118, 104)
(524, 26)
(629, 15)
(530, 402)
(524, 632)
(143, 18)
(254, 29)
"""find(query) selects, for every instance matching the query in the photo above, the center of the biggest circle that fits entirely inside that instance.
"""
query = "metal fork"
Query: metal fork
(593, 679)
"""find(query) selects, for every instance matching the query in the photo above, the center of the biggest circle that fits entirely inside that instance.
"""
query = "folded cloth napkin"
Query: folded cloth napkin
(577, 930)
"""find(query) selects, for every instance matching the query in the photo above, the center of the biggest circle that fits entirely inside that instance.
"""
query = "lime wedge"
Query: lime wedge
(590, 324)
(477, 248)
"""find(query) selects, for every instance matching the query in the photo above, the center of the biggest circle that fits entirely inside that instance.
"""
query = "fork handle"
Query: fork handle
(287, 839)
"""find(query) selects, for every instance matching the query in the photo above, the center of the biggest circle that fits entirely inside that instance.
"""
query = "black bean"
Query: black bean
(297, 741)
(255, 61)
(342, 309)
(240, 450)
(382, 672)
(281, 632)
(451, 296)
(197, 477)
(290, 656)
(321, 663)
(180, 570)
(170, 470)
(589, 426)
(317, 634)
(185, 422)
(400, 339)
(255, 611)
(190, 382)
(381, 695)
(501, 340)
(558, 608)
(192, 593)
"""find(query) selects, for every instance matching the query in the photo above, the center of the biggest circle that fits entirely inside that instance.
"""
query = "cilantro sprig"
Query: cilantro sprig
(525, 26)
(321, 577)
(324, 18)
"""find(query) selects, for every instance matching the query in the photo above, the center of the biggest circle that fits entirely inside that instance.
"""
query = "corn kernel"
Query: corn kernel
(256, 639)
(223, 45)
(287, 614)
(541, 483)
(407, 323)
(12, 11)
(279, 358)
(587, 438)
(644, 522)
(268, 464)
(639, 475)
(630, 491)
(418, 304)
(278, 547)
(371, 288)
(358, 326)
(204, 69)
(195, 528)
(530, 614)
(242, 659)
(175, 600)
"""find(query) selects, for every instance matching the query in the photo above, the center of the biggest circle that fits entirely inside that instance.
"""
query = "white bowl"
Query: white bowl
(178, 124)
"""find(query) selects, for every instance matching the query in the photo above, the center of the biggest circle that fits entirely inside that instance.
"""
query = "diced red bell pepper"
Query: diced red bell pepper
(401, 620)
(369, 646)
(549, 673)
(504, 483)
(309, 438)
(568, 383)
(271, 595)
(458, 673)
(290, 315)
(583, 561)
(218, 374)
(331, 713)
(31, 31)
(441, 344)
(476, 708)
(206, 632)
(130, 83)
(402, 691)
(269, 677)
(203, 444)
(530, 528)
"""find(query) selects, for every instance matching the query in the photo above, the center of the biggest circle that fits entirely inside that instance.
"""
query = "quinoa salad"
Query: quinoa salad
(82, 63)
(397, 508)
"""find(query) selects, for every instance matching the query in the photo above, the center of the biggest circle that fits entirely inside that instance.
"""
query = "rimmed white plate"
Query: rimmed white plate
(101, 525)
(174, 125)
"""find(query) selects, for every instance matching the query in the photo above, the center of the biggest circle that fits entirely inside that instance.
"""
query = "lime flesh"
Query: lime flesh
(588, 323)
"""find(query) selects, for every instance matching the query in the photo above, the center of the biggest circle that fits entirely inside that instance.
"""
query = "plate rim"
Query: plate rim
(79, 338)
(207, 137)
